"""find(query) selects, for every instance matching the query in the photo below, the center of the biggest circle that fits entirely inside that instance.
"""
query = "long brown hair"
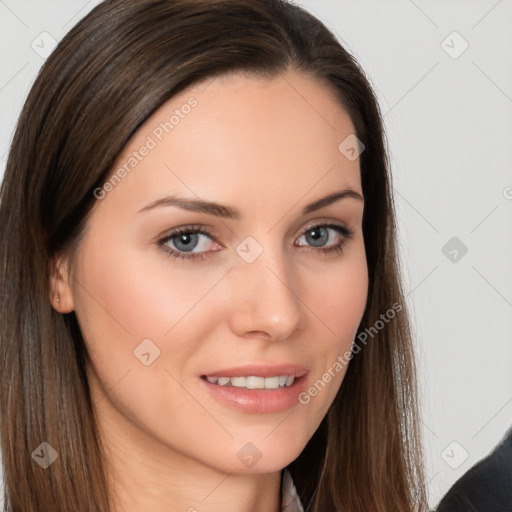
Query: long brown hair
(104, 79)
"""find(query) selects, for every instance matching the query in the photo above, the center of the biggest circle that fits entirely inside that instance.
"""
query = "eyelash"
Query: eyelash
(345, 232)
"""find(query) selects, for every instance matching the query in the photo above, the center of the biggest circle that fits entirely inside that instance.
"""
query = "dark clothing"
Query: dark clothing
(487, 486)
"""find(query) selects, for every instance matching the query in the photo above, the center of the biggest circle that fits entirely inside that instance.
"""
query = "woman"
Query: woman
(202, 308)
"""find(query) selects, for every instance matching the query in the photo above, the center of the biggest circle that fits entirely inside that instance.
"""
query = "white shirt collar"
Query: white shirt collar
(291, 501)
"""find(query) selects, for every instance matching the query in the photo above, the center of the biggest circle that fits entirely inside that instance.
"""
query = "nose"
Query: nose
(265, 298)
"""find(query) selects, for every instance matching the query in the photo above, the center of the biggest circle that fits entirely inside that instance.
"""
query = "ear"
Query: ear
(61, 293)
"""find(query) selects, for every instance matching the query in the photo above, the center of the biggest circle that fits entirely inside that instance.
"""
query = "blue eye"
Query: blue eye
(186, 239)
(319, 235)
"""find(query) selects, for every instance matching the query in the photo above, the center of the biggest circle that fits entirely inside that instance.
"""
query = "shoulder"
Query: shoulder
(487, 486)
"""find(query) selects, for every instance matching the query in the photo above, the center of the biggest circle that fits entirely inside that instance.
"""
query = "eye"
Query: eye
(181, 242)
(185, 240)
(319, 234)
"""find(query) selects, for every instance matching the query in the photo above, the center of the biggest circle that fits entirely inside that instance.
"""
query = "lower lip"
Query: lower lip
(257, 400)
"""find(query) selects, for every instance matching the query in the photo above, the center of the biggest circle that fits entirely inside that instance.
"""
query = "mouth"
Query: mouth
(258, 394)
(253, 381)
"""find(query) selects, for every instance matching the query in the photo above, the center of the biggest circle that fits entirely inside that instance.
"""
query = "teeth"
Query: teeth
(269, 382)
(253, 382)
(223, 381)
(239, 382)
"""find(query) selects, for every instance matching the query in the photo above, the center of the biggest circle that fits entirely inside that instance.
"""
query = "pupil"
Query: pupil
(185, 241)
(317, 236)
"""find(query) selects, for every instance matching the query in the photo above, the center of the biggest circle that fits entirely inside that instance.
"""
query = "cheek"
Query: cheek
(126, 305)
(339, 296)
(122, 302)
(337, 302)
(135, 298)
(347, 296)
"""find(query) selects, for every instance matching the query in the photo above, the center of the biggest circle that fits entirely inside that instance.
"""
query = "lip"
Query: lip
(258, 401)
(260, 370)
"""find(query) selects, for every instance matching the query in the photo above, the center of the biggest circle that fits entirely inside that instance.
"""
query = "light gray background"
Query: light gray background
(449, 127)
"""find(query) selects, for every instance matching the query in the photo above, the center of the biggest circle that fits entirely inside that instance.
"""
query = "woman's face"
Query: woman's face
(263, 287)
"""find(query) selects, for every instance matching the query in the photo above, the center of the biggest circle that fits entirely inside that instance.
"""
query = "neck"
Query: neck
(147, 475)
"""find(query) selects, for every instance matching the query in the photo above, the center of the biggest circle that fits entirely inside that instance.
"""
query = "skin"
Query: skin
(268, 148)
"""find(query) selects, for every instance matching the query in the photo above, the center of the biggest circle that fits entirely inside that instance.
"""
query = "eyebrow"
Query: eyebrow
(228, 212)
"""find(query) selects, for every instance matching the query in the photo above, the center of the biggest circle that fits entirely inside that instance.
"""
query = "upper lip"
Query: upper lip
(260, 370)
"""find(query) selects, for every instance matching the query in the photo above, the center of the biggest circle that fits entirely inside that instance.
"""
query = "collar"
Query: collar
(291, 501)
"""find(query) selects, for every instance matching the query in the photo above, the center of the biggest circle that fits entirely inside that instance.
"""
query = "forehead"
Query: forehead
(244, 136)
